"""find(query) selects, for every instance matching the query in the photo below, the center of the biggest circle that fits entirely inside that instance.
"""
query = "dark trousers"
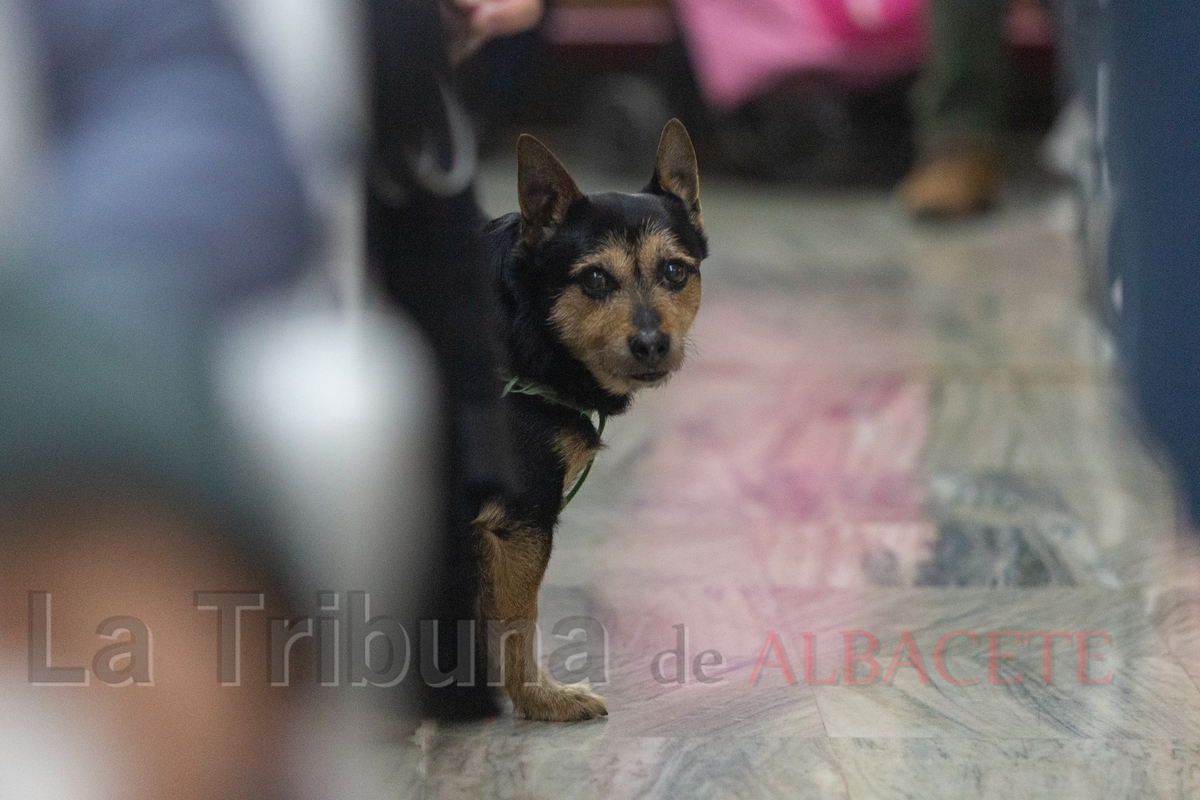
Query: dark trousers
(960, 95)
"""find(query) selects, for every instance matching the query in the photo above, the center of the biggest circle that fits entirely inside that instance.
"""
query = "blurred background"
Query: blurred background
(946, 363)
(950, 112)
(808, 93)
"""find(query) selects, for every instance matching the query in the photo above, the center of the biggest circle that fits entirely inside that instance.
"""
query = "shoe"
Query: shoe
(954, 183)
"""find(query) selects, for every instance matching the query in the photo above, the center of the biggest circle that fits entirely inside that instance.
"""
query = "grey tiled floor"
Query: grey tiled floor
(883, 428)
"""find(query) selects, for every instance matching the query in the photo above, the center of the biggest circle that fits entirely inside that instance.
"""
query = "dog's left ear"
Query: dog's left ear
(675, 169)
(544, 190)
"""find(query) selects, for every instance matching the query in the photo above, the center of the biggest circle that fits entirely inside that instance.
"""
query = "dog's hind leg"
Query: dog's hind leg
(513, 560)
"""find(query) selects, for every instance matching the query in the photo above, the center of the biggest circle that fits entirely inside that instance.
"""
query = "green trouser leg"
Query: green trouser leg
(960, 95)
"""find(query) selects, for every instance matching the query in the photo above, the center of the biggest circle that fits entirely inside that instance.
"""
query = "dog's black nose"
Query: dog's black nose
(649, 346)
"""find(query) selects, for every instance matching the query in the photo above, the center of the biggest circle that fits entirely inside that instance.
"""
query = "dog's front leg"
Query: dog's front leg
(513, 560)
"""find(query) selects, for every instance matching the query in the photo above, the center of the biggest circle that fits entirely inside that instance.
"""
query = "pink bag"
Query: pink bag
(741, 48)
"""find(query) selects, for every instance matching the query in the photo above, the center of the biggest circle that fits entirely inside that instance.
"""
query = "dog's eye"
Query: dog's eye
(674, 274)
(595, 282)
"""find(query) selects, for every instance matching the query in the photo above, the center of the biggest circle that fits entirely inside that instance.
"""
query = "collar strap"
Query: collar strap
(518, 385)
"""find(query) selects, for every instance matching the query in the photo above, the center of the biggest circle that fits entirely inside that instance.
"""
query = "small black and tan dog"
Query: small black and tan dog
(597, 293)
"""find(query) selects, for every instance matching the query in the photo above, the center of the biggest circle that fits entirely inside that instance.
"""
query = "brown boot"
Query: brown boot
(955, 182)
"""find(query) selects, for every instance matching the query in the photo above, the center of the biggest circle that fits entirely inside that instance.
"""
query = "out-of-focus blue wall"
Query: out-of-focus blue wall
(1139, 62)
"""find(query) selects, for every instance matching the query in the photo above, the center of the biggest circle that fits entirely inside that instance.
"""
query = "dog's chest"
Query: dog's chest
(576, 454)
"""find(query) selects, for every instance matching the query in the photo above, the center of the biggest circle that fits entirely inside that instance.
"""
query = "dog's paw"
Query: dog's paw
(551, 703)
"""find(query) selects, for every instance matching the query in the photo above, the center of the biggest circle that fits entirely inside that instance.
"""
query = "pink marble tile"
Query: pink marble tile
(791, 449)
(641, 618)
(762, 336)
(829, 554)
(793, 480)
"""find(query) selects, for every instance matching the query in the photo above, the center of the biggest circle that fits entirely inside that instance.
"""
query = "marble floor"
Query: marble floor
(906, 432)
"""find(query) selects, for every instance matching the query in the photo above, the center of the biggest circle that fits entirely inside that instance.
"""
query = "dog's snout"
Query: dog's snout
(649, 346)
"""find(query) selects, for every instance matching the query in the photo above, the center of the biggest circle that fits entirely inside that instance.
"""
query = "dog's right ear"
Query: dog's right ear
(544, 189)
(675, 170)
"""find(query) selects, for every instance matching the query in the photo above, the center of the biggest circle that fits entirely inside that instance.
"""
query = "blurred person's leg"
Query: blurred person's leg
(958, 104)
(425, 247)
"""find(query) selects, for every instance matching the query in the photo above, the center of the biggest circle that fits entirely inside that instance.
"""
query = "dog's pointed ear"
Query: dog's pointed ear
(675, 169)
(544, 189)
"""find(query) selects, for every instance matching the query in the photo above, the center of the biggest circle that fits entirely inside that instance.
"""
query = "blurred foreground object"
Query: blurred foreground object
(164, 185)
(1147, 124)
(163, 205)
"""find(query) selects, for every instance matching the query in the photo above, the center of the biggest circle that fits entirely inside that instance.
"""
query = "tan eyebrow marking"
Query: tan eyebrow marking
(655, 245)
(613, 255)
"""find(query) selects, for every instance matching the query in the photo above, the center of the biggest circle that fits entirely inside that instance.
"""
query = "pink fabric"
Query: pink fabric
(741, 48)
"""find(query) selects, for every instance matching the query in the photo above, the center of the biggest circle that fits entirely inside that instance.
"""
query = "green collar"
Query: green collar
(521, 386)
(518, 385)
